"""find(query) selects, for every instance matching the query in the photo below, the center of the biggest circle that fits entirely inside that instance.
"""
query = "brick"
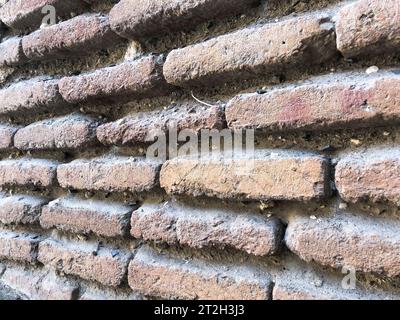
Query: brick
(11, 53)
(366, 244)
(137, 19)
(28, 172)
(268, 175)
(79, 36)
(360, 101)
(20, 247)
(7, 133)
(110, 174)
(199, 228)
(138, 79)
(20, 209)
(368, 27)
(144, 127)
(79, 216)
(71, 132)
(253, 52)
(31, 97)
(372, 175)
(107, 294)
(27, 14)
(87, 261)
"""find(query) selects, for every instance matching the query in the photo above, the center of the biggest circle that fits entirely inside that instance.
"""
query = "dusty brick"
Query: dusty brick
(31, 97)
(359, 101)
(19, 247)
(198, 228)
(168, 277)
(28, 172)
(110, 174)
(87, 261)
(79, 36)
(137, 19)
(20, 209)
(71, 132)
(369, 27)
(7, 133)
(252, 52)
(79, 216)
(27, 14)
(145, 126)
(109, 294)
(138, 79)
(372, 175)
(11, 53)
(345, 240)
(269, 175)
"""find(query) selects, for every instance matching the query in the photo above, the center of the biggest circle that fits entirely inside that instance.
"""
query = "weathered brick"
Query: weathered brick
(109, 294)
(360, 101)
(11, 53)
(254, 51)
(71, 132)
(20, 247)
(110, 174)
(79, 36)
(137, 19)
(31, 97)
(369, 27)
(168, 277)
(138, 79)
(28, 172)
(87, 261)
(7, 133)
(79, 216)
(345, 240)
(198, 228)
(144, 127)
(268, 175)
(20, 209)
(27, 14)
(372, 175)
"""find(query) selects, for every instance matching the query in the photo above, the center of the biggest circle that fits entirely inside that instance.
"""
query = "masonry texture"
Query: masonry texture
(103, 195)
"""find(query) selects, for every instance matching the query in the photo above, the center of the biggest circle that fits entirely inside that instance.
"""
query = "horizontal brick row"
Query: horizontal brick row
(20, 209)
(20, 247)
(11, 52)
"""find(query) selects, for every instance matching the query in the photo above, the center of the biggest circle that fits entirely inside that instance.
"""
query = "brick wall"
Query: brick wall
(87, 213)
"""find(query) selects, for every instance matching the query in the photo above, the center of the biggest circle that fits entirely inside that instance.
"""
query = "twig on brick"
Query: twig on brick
(202, 102)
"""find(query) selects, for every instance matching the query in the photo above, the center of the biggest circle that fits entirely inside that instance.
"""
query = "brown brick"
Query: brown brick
(7, 133)
(345, 240)
(110, 174)
(11, 53)
(79, 36)
(20, 247)
(138, 79)
(70, 132)
(269, 175)
(87, 261)
(79, 216)
(368, 27)
(360, 101)
(144, 127)
(168, 277)
(31, 97)
(137, 19)
(253, 52)
(27, 14)
(20, 209)
(198, 227)
(28, 172)
(372, 175)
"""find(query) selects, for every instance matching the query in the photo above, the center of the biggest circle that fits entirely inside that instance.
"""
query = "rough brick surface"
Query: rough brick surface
(70, 132)
(11, 53)
(138, 79)
(145, 127)
(20, 209)
(137, 19)
(95, 263)
(268, 175)
(28, 172)
(78, 36)
(78, 216)
(110, 174)
(326, 103)
(251, 52)
(20, 247)
(7, 133)
(198, 228)
(368, 27)
(158, 275)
